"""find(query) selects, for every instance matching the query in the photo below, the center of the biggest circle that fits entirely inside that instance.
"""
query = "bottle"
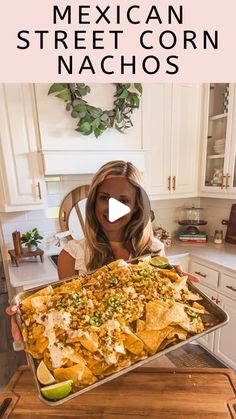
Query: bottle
(17, 242)
(218, 237)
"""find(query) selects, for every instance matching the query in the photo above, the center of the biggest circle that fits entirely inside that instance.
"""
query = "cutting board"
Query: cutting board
(143, 393)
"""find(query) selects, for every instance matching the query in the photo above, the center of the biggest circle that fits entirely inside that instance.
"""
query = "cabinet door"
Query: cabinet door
(171, 123)
(185, 134)
(219, 140)
(208, 340)
(224, 345)
(157, 137)
(230, 180)
(21, 182)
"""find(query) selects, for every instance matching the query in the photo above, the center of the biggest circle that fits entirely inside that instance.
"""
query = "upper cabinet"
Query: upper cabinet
(219, 141)
(171, 133)
(21, 178)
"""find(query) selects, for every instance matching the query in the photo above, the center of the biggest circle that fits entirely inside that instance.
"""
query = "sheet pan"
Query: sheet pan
(218, 318)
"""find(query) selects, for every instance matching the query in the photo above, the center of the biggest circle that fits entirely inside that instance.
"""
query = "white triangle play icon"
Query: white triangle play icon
(116, 209)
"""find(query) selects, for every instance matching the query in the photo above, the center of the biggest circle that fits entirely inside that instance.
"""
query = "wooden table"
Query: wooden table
(143, 393)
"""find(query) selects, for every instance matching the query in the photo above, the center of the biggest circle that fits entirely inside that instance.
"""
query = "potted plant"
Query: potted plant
(31, 239)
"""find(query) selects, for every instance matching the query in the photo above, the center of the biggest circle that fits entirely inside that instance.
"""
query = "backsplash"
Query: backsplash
(166, 213)
(215, 211)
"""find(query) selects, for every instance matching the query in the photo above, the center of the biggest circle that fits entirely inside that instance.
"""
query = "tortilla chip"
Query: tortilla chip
(179, 285)
(97, 367)
(133, 344)
(38, 347)
(179, 332)
(197, 306)
(159, 316)
(140, 325)
(193, 326)
(166, 343)
(152, 339)
(79, 373)
(124, 363)
(90, 342)
(26, 304)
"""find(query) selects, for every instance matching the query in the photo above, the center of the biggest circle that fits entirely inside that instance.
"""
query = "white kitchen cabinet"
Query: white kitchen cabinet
(218, 179)
(171, 132)
(219, 285)
(208, 340)
(225, 337)
(21, 178)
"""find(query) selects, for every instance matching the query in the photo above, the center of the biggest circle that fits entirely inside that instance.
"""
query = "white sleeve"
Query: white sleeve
(76, 249)
(158, 246)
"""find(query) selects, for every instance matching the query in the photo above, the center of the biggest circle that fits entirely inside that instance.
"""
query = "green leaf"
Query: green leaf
(104, 117)
(75, 114)
(77, 102)
(85, 127)
(64, 95)
(124, 94)
(95, 112)
(81, 114)
(81, 107)
(139, 87)
(135, 100)
(57, 87)
(95, 124)
(119, 129)
(97, 132)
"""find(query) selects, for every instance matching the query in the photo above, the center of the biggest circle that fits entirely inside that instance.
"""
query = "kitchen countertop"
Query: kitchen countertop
(32, 273)
(221, 255)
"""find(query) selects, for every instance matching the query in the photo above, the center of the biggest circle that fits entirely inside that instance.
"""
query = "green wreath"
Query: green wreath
(96, 120)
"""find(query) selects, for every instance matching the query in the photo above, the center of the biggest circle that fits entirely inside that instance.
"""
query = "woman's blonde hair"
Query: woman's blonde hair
(138, 234)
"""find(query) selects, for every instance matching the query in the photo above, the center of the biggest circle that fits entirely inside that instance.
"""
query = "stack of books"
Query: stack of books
(200, 237)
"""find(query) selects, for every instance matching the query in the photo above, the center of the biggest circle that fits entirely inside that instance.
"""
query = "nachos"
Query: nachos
(94, 325)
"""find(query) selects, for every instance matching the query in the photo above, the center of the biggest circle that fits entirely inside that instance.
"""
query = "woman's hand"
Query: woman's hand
(18, 343)
(179, 270)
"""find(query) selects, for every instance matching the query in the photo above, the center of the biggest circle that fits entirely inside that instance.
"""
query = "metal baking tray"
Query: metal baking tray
(217, 317)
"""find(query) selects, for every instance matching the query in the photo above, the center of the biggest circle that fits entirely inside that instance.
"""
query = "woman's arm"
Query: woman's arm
(65, 265)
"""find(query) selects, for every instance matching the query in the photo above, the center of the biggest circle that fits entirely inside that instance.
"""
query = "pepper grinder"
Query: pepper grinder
(17, 242)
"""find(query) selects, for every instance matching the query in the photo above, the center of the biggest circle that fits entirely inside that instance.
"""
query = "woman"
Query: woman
(127, 237)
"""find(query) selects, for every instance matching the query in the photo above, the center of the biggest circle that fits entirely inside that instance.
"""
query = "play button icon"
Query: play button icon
(116, 209)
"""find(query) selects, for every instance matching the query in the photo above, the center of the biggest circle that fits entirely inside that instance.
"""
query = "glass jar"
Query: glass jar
(192, 216)
(218, 237)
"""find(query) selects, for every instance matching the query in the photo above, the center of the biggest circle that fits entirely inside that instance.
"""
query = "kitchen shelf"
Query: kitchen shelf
(220, 116)
(216, 156)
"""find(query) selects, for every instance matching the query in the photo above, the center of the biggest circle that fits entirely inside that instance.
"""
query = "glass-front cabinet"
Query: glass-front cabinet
(219, 140)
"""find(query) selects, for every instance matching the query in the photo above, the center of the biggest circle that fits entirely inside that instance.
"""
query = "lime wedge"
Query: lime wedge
(159, 261)
(43, 374)
(57, 391)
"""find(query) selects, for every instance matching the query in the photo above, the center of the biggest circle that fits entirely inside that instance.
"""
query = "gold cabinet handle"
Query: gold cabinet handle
(174, 183)
(217, 301)
(200, 274)
(223, 182)
(231, 288)
(169, 180)
(39, 189)
(227, 181)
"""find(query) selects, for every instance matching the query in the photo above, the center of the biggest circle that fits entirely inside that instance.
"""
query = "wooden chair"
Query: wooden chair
(66, 262)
